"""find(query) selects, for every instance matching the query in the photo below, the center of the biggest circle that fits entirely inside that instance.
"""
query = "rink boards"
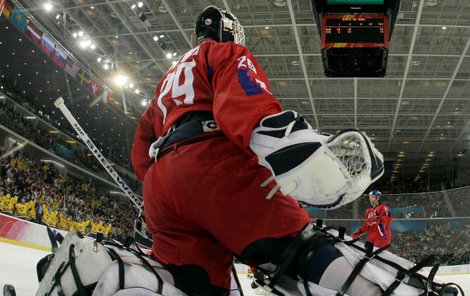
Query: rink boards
(23, 244)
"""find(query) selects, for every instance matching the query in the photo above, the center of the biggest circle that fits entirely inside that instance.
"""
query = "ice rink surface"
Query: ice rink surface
(18, 267)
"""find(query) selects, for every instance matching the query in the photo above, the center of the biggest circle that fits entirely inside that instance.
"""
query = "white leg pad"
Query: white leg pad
(337, 273)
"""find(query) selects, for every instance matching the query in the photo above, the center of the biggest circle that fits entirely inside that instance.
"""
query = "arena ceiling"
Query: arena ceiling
(418, 115)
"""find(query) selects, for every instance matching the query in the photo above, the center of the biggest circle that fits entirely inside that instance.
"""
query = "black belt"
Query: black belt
(192, 128)
(192, 140)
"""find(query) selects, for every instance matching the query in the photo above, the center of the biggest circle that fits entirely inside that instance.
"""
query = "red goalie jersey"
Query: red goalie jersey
(229, 82)
(203, 201)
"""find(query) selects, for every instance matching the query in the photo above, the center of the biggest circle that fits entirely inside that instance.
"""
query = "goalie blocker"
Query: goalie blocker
(326, 171)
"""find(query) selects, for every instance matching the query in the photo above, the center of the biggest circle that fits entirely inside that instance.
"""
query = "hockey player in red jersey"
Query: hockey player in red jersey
(378, 221)
(224, 168)
(204, 196)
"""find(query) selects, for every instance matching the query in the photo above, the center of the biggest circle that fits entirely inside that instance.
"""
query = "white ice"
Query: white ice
(18, 267)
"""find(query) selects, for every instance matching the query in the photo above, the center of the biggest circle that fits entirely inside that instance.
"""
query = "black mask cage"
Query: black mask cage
(219, 25)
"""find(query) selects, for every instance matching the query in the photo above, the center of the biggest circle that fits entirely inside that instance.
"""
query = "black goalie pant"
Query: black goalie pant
(272, 250)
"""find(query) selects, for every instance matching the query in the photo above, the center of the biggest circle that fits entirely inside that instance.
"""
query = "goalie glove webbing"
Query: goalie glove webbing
(316, 169)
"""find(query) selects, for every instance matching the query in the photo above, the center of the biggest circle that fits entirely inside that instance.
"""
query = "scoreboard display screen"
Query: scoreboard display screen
(354, 30)
(355, 2)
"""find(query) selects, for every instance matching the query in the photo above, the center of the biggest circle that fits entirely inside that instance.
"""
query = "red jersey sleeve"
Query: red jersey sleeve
(143, 137)
(242, 95)
(385, 215)
(364, 228)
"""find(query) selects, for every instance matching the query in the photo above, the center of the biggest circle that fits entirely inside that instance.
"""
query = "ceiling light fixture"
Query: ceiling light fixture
(280, 3)
(162, 9)
(84, 43)
(121, 79)
(431, 3)
(48, 6)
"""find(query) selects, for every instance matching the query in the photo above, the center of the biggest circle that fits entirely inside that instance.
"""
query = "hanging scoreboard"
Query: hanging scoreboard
(354, 30)
(355, 35)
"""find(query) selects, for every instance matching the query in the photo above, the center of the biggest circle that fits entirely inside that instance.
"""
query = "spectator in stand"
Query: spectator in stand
(38, 210)
(378, 221)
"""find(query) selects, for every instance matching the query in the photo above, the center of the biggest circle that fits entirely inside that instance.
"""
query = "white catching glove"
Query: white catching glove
(322, 171)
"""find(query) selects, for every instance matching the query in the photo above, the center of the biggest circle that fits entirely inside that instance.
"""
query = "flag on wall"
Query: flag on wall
(104, 96)
(18, 19)
(33, 32)
(71, 67)
(107, 97)
(84, 77)
(47, 45)
(94, 87)
(59, 56)
(2, 3)
(7, 9)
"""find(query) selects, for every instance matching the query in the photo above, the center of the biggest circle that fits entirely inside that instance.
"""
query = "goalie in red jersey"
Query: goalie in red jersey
(224, 168)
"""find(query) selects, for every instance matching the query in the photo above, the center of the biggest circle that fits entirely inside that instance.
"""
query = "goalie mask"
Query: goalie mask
(319, 170)
(219, 25)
